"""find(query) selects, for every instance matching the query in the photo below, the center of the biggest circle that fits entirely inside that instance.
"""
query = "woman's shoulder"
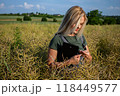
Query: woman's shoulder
(56, 37)
(55, 42)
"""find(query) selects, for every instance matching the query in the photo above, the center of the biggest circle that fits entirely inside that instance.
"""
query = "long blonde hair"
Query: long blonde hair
(72, 16)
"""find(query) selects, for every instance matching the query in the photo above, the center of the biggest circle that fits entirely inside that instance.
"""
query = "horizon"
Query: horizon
(47, 13)
(108, 8)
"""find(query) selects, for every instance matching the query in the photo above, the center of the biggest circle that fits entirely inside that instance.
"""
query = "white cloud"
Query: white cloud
(112, 8)
(38, 6)
(28, 6)
(2, 5)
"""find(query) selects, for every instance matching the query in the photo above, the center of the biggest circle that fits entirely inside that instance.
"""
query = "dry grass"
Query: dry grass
(23, 53)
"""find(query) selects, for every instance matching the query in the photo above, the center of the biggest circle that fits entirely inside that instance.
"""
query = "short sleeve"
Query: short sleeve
(54, 43)
(84, 40)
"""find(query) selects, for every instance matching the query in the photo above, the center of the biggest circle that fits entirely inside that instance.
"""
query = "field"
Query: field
(24, 46)
(13, 19)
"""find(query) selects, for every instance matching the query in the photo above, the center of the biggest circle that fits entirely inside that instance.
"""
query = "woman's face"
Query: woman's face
(80, 25)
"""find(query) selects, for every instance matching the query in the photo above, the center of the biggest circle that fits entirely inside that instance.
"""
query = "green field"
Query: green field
(10, 17)
(13, 19)
(24, 47)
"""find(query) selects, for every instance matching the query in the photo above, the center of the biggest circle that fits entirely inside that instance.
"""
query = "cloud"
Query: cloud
(28, 6)
(2, 5)
(113, 8)
(38, 6)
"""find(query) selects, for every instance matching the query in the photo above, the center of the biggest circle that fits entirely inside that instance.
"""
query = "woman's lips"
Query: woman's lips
(76, 29)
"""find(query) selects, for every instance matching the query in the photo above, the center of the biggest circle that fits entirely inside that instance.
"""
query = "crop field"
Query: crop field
(13, 19)
(24, 47)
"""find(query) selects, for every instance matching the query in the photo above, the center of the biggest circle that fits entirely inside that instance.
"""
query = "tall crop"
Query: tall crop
(24, 47)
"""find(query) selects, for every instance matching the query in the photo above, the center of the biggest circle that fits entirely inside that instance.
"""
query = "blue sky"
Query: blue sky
(108, 7)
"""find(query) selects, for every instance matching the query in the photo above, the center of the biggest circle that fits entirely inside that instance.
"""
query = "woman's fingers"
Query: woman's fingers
(84, 52)
(75, 59)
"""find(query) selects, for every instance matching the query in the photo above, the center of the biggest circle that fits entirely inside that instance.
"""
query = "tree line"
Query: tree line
(95, 17)
(34, 15)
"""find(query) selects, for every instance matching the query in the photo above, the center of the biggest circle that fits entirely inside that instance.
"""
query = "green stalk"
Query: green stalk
(7, 66)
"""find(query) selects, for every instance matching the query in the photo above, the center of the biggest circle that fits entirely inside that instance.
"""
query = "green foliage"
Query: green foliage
(50, 16)
(94, 13)
(109, 20)
(19, 19)
(44, 19)
(27, 18)
(94, 21)
(118, 21)
(17, 39)
(94, 17)
(54, 20)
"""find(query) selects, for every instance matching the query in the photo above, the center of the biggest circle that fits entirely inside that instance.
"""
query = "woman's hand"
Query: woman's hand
(86, 55)
(75, 59)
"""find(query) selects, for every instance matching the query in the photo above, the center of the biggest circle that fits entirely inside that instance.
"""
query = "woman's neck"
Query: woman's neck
(71, 35)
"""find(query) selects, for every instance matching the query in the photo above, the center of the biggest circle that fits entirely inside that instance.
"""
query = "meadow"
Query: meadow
(13, 19)
(24, 47)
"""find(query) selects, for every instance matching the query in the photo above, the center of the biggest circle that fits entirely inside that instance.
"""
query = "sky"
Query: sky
(108, 7)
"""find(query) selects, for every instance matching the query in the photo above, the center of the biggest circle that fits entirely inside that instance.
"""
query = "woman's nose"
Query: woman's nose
(78, 27)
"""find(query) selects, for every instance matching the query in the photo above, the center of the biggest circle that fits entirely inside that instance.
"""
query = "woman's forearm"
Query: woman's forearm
(59, 64)
(73, 60)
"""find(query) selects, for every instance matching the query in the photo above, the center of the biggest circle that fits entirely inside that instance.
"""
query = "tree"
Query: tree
(19, 19)
(54, 20)
(94, 13)
(109, 20)
(118, 21)
(94, 17)
(44, 19)
(27, 18)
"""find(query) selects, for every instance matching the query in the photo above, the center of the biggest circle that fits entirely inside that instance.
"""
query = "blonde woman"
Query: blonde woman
(69, 34)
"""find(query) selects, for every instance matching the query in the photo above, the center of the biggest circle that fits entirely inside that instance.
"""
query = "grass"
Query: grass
(12, 19)
(24, 46)
(26, 22)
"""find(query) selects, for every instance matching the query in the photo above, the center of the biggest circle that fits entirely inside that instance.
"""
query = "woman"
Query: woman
(71, 30)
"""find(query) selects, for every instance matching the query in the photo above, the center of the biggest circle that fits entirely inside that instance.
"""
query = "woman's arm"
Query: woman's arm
(52, 55)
